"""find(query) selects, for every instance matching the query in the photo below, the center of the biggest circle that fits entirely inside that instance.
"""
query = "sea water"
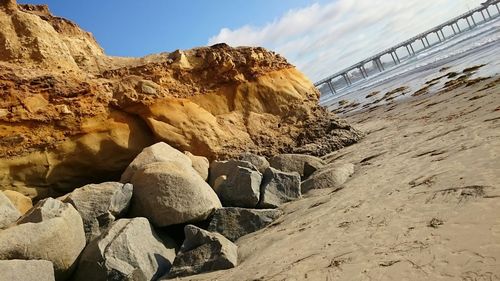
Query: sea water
(477, 46)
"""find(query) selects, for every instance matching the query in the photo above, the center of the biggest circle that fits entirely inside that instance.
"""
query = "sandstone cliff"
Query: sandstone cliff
(70, 115)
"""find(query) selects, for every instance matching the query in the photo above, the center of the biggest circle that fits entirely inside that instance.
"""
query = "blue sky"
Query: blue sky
(318, 36)
(138, 28)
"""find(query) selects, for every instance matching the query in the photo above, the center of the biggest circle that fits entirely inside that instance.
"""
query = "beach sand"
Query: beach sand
(423, 204)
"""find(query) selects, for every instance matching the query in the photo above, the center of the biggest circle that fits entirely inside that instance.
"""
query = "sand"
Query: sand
(423, 204)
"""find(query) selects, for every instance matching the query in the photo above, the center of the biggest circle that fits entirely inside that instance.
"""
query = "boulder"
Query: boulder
(167, 195)
(159, 152)
(260, 162)
(23, 270)
(224, 168)
(278, 187)
(234, 223)
(100, 204)
(8, 212)
(51, 230)
(22, 202)
(200, 164)
(303, 164)
(128, 250)
(330, 177)
(239, 188)
(203, 251)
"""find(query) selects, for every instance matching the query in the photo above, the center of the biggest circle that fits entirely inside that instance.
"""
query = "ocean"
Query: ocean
(477, 46)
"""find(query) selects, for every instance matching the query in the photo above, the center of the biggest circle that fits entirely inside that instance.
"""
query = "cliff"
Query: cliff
(71, 115)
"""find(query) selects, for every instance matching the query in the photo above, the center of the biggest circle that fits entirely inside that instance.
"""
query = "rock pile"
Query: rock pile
(81, 127)
(116, 231)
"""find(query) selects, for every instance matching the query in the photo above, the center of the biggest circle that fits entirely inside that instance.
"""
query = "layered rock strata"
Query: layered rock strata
(71, 115)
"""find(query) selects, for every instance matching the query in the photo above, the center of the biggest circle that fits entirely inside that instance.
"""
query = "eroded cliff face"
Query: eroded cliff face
(70, 115)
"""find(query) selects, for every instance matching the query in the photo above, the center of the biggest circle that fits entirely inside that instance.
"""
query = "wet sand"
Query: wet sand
(423, 204)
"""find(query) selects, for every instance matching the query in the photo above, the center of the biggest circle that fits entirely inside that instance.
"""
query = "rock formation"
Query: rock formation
(234, 223)
(203, 251)
(8, 212)
(22, 270)
(100, 205)
(129, 250)
(51, 231)
(278, 187)
(70, 115)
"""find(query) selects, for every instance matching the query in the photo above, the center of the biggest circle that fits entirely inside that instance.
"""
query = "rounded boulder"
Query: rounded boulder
(167, 194)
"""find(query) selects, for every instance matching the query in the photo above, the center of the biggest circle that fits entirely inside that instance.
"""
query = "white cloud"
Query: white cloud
(322, 39)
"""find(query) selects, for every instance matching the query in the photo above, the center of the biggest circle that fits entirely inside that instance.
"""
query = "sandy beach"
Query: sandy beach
(422, 205)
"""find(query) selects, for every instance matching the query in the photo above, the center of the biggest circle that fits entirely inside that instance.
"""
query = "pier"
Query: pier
(409, 48)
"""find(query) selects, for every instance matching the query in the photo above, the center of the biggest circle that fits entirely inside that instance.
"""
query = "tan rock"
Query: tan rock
(8, 212)
(168, 195)
(303, 164)
(35, 103)
(52, 231)
(21, 202)
(200, 164)
(159, 152)
(22, 270)
(332, 176)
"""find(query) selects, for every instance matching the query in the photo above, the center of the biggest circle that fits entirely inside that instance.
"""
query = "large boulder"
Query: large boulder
(8, 212)
(203, 251)
(278, 187)
(330, 177)
(303, 164)
(260, 162)
(100, 204)
(51, 231)
(224, 168)
(26, 270)
(22, 202)
(234, 223)
(200, 164)
(238, 186)
(159, 152)
(167, 195)
(128, 250)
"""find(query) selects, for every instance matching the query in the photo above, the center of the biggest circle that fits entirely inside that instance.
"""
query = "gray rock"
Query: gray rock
(8, 212)
(200, 164)
(129, 250)
(224, 168)
(303, 164)
(260, 162)
(23, 270)
(330, 177)
(167, 195)
(240, 188)
(203, 251)
(279, 187)
(99, 205)
(51, 230)
(159, 152)
(234, 223)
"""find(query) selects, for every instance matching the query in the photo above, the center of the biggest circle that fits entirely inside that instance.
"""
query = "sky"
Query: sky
(320, 37)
